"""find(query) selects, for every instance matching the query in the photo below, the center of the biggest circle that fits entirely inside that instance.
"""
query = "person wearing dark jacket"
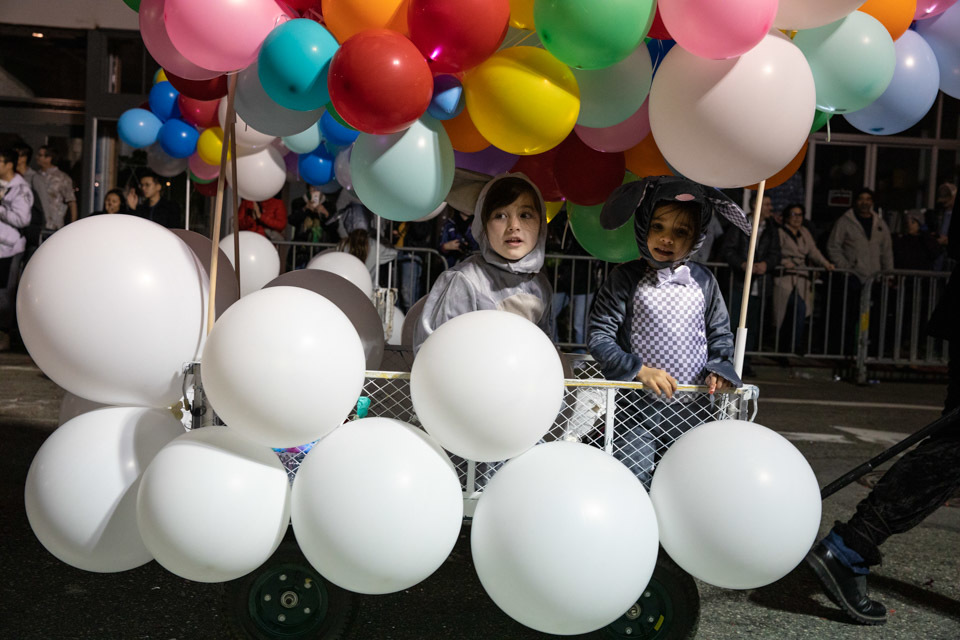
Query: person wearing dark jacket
(766, 259)
(154, 206)
(661, 320)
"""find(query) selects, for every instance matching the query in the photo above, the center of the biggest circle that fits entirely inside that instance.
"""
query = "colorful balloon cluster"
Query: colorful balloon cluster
(423, 86)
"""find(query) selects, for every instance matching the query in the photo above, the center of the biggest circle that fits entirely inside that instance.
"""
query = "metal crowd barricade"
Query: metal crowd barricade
(895, 306)
(595, 412)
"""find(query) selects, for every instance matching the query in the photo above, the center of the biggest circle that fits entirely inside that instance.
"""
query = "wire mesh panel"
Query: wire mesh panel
(623, 419)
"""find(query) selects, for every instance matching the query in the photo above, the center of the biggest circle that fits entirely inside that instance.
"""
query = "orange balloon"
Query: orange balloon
(894, 15)
(343, 18)
(786, 173)
(645, 159)
(464, 135)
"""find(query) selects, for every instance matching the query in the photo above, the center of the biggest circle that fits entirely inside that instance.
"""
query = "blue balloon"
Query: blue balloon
(178, 138)
(163, 101)
(294, 61)
(658, 51)
(335, 133)
(138, 128)
(305, 141)
(316, 168)
(448, 100)
(910, 94)
(940, 32)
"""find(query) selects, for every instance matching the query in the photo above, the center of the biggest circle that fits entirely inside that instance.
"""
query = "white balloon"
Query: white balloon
(377, 506)
(163, 164)
(260, 261)
(731, 123)
(111, 307)
(498, 396)
(396, 324)
(738, 505)
(564, 538)
(73, 405)
(247, 136)
(341, 168)
(346, 266)
(213, 506)
(283, 384)
(81, 488)
(806, 14)
(261, 174)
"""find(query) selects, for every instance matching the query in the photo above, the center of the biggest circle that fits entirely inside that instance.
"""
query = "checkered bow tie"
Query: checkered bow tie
(681, 275)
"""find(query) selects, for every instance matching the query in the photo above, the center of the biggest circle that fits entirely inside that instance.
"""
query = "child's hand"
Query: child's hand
(716, 383)
(658, 381)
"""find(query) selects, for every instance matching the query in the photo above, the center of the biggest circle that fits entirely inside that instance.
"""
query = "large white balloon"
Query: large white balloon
(283, 366)
(111, 307)
(259, 264)
(487, 385)
(377, 506)
(81, 489)
(395, 336)
(73, 405)
(213, 506)
(806, 14)
(564, 538)
(346, 266)
(730, 123)
(261, 174)
(738, 505)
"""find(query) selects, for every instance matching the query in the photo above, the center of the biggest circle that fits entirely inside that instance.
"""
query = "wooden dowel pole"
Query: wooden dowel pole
(236, 196)
(740, 347)
(218, 206)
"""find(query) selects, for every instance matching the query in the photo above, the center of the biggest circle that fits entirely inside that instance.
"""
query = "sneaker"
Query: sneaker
(846, 589)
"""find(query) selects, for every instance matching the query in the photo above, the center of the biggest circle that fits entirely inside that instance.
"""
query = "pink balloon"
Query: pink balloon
(201, 169)
(718, 30)
(618, 137)
(155, 39)
(929, 8)
(224, 35)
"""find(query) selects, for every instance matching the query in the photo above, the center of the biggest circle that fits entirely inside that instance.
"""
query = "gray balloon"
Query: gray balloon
(349, 299)
(410, 322)
(263, 114)
(228, 291)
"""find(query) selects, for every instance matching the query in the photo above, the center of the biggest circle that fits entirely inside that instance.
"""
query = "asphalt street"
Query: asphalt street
(837, 425)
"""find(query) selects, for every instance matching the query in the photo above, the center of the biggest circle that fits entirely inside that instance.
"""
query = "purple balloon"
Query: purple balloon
(490, 161)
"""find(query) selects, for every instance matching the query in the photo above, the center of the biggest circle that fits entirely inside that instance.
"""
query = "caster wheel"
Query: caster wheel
(286, 599)
(669, 608)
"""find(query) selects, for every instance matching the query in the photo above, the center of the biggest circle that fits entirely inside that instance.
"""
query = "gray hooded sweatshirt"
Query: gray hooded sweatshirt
(487, 280)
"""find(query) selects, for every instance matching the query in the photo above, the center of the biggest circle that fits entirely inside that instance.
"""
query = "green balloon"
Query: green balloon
(194, 177)
(618, 245)
(133, 4)
(336, 116)
(820, 119)
(586, 34)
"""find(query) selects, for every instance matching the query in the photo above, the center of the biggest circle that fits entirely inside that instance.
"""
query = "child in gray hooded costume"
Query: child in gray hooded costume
(490, 280)
(660, 320)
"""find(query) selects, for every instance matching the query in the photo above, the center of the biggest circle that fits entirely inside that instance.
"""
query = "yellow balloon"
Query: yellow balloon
(553, 208)
(521, 14)
(210, 145)
(523, 100)
(160, 76)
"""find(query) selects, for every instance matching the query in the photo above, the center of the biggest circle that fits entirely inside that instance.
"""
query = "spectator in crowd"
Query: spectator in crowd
(268, 217)
(55, 189)
(575, 283)
(16, 200)
(793, 292)
(38, 222)
(766, 258)
(939, 222)
(363, 245)
(914, 247)
(311, 220)
(859, 241)
(456, 236)
(412, 235)
(24, 157)
(154, 206)
(713, 232)
(113, 202)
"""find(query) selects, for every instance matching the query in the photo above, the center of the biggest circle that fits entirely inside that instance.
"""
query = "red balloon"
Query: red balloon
(211, 89)
(200, 113)
(658, 30)
(539, 168)
(457, 34)
(587, 176)
(379, 83)
(303, 5)
(209, 189)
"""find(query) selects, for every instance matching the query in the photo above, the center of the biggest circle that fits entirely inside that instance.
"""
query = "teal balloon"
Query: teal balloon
(611, 95)
(820, 120)
(852, 61)
(586, 34)
(305, 141)
(403, 176)
(293, 64)
(616, 245)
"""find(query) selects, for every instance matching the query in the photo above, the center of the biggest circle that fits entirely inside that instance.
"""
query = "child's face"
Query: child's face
(670, 237)
(513, 229)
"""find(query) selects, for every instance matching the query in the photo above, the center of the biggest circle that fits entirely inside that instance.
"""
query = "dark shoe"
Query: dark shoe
(846, 588)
